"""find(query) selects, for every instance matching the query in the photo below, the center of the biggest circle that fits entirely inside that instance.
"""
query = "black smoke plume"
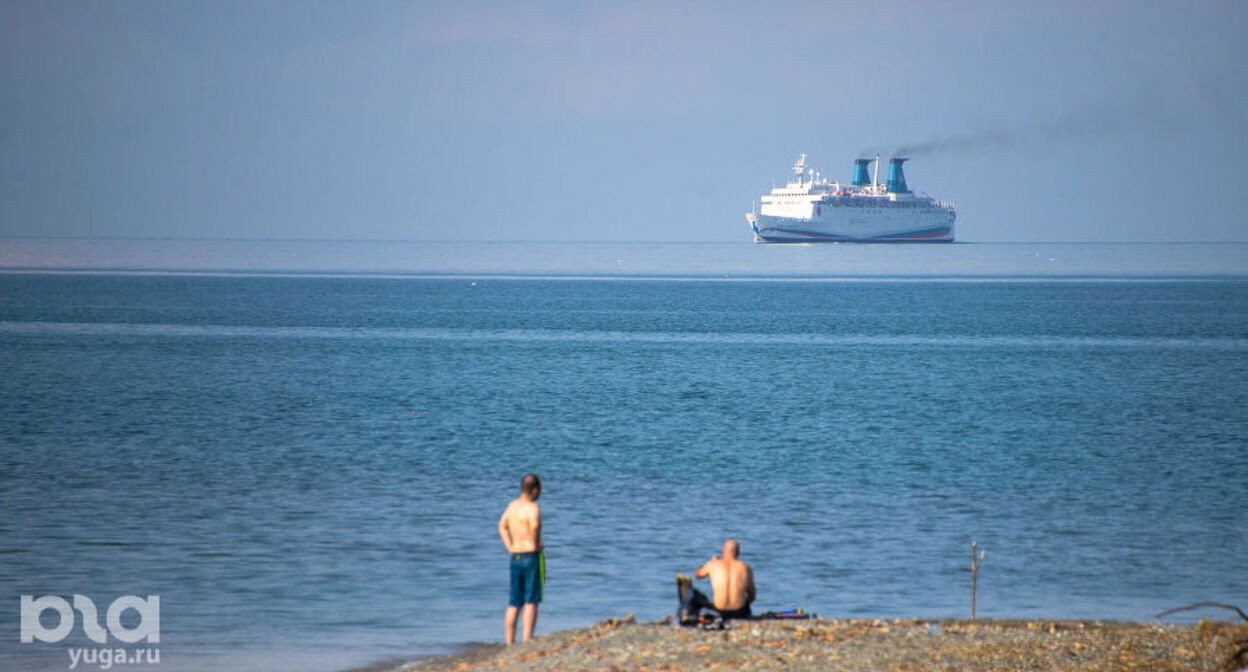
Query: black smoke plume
(1062, 129)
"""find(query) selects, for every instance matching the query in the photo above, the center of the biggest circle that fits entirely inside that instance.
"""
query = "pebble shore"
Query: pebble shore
(620, 645)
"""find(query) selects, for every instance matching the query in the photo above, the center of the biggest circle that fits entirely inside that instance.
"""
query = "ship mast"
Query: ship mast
(799, 169)
(875, 175)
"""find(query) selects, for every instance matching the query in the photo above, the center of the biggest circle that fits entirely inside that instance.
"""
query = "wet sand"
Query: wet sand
(893, 645)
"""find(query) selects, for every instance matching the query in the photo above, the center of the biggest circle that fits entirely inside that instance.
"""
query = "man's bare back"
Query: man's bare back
(732, 581)
(521, 526)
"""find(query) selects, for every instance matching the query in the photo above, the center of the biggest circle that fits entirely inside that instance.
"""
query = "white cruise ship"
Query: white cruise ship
(811, 209)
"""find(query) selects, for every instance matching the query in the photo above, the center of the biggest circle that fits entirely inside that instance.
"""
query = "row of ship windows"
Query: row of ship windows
(885, 204)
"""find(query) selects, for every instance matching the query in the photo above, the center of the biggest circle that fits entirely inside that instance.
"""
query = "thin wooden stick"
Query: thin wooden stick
(976, 563)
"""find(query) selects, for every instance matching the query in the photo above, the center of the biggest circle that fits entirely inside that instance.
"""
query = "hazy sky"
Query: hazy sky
(1043, 121)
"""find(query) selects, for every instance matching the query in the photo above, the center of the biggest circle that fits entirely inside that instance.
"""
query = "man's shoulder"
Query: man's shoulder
(714, 565)
(522, 505)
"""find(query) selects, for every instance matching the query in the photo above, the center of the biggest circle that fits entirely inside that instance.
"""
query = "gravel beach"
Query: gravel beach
(619, 645)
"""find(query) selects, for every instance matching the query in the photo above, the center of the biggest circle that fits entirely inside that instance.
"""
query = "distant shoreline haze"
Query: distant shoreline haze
(590, 259)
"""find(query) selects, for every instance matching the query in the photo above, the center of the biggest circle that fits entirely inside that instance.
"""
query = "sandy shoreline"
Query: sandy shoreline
(849, 644)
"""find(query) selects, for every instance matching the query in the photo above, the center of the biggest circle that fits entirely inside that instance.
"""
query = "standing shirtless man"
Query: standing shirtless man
(732, 582)
(521, 530)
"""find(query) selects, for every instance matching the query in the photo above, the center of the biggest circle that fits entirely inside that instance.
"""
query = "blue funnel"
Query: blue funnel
(861, 177)
(896, 178)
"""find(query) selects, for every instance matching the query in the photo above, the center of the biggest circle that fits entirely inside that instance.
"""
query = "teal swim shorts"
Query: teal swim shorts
(528, 576)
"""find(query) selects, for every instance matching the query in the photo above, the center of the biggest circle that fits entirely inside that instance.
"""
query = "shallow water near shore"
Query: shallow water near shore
(308, 468)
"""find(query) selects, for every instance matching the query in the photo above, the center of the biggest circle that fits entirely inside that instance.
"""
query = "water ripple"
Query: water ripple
(113, 329)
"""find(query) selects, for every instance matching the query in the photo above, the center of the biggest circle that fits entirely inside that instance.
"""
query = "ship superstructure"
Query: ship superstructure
(809, 208)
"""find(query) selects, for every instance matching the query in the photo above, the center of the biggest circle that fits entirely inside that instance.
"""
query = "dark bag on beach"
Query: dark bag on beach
(687, 609)
(692, 602)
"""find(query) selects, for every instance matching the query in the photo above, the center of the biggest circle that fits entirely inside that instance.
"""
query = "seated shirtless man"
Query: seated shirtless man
(732, 584)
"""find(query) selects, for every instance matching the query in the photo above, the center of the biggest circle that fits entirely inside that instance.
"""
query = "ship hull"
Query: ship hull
(843, 225)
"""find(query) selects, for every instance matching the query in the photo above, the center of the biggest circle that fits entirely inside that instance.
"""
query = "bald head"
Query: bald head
(732, 549)
(531, 486)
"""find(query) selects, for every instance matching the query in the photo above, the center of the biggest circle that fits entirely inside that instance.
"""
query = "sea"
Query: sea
(302, 448)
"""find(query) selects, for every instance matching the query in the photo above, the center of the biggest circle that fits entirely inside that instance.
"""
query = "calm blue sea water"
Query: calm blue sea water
(308, 470)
